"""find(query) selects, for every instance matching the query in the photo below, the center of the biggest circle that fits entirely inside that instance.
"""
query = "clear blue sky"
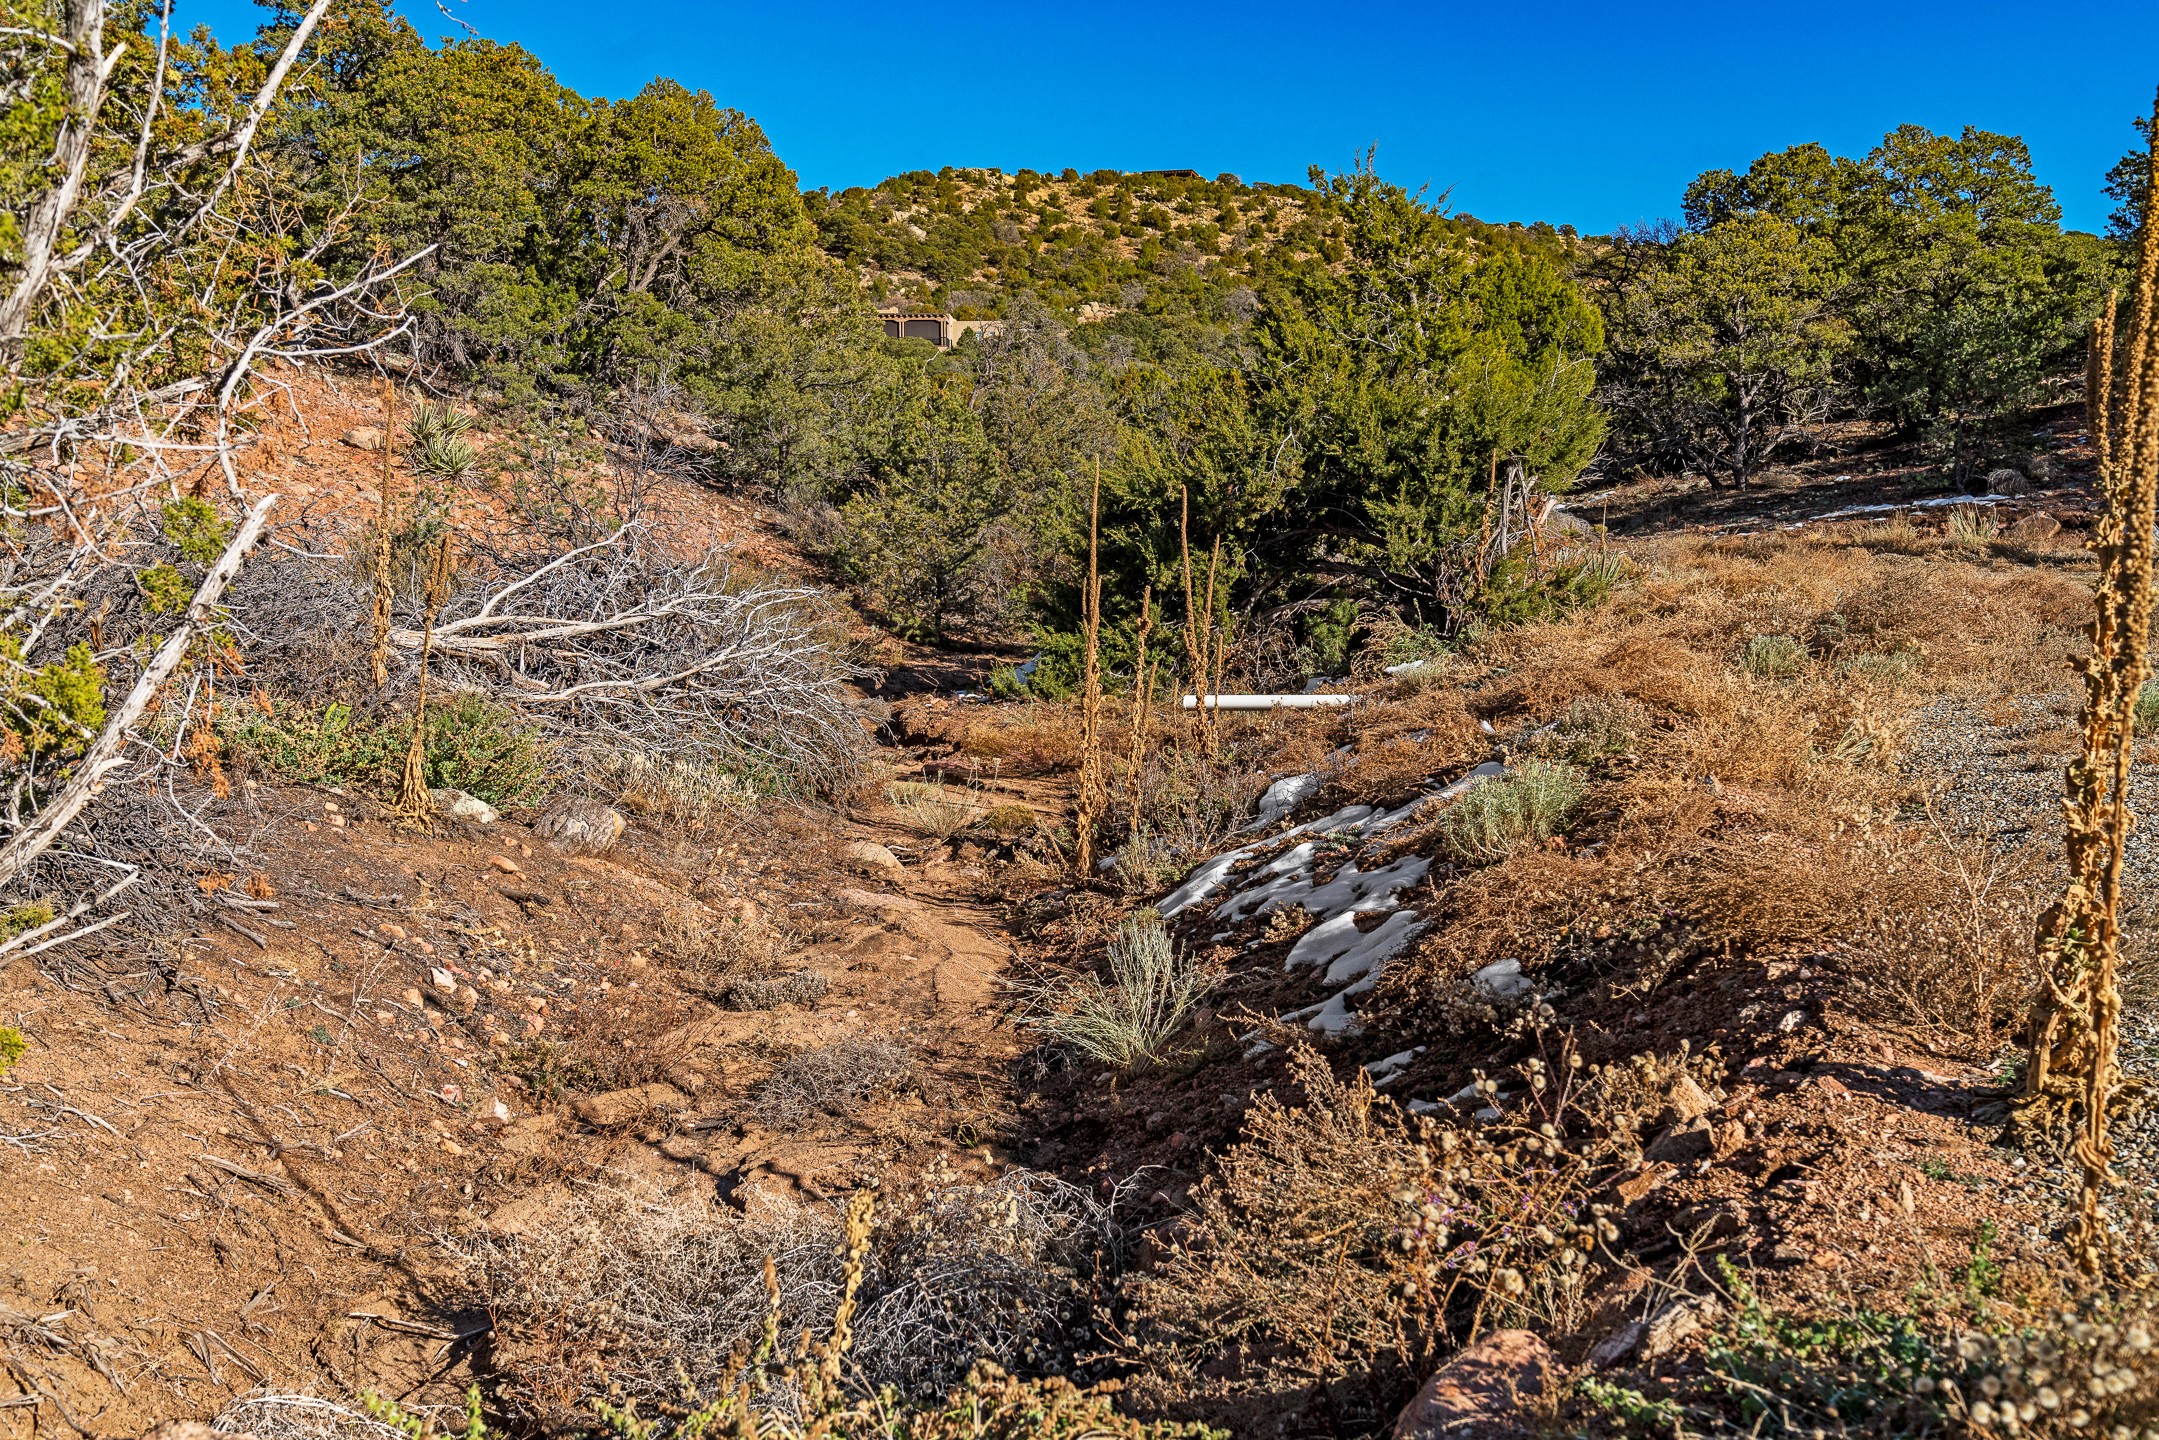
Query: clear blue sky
(1594, 114)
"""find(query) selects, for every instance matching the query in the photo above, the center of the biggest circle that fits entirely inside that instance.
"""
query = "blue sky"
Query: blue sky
(1594, 114)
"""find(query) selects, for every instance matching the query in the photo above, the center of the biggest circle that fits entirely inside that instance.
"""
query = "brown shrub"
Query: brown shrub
(1341, 1245)
(833, 1080)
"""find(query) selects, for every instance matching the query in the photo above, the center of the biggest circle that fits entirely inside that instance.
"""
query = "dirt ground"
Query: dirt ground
(234, 1168)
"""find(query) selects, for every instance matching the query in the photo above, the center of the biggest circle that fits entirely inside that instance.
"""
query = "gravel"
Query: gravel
(1998, 775)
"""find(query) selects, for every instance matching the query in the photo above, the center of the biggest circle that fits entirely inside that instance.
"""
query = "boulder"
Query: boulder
(362, 437)
(622, 1107)
(2037, 526)
(867, 857)
(575, 823)
(1682, 1145)
(1480, 1392)
(462, 806)
(928, 723)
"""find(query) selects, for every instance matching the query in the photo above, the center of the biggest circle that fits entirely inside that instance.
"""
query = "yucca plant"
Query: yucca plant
(439, 447)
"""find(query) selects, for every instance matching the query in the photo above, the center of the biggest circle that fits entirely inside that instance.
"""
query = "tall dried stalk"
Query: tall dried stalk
(1202, 643)
(414, 805)
(1194, 657)
(379, 654)
(1142, 696)
(1090, 769)
(2073, 1073)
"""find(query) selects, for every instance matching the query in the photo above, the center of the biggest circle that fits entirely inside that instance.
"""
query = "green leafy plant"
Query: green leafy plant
(165, 591)
(13, 1046)
(469, 744)
(50, 710)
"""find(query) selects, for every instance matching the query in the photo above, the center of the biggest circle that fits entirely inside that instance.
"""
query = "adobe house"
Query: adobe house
(935, 326)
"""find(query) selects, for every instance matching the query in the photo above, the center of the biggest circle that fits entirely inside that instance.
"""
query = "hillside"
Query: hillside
(1091, 246)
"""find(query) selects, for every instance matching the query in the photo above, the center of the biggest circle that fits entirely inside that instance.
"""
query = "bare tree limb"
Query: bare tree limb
(104, 756)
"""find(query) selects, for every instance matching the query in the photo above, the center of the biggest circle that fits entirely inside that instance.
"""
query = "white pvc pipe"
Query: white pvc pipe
(1268, 702)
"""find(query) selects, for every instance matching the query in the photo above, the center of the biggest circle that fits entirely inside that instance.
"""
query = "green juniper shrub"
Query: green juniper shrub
(165, 591)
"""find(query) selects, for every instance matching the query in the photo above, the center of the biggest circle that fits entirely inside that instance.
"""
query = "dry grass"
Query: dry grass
(834, 1080)
(931, 809)
(710, 947)
(623, 1291)
(1131, 1019)
(1766, 811)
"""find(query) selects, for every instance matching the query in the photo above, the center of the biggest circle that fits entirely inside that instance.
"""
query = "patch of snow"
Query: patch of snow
(1386, 1071)
(1376, 949)
(1282, 797)
(1207, 877)
(1353, 888)
(1503, 980)
(1332, 1016)
(1346, 818)
(1328, 940)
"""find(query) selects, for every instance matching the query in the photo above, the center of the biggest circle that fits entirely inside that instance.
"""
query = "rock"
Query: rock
(505, 864)
(2032, 528)
(2006, 481)
(1728, 1139)
(362, 437)
(1617, 1346)
(1678, 1146)
(1688, 1100)
(621, 1107)
(1480, 1391)
(1709, 1222)
(465, 807)
(390, 930)
(867, 857)
(926, 723)
(1635, 1188)
(574, 823)
(2046, 469)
